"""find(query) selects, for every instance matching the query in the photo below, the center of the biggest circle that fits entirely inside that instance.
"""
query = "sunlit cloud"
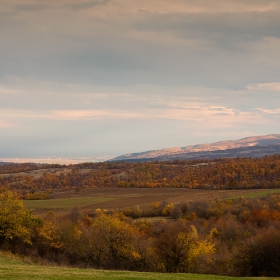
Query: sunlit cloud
(204, 114)
(275, 111)
(264, 87)
(90, 114)
(6, 124)
(4, 90)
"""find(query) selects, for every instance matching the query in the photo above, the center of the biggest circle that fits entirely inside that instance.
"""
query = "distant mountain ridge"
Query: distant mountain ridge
(254, 146)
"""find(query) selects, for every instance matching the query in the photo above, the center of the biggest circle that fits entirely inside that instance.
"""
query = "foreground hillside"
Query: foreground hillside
(234, 237)
(12, 268)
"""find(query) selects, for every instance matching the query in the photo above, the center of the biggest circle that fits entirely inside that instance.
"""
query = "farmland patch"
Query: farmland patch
(120, 198)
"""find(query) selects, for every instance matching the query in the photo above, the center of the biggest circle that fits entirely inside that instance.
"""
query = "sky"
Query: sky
(110, 77)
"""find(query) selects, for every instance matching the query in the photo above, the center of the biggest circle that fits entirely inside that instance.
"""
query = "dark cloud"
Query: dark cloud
(218, 27)
(204, 49)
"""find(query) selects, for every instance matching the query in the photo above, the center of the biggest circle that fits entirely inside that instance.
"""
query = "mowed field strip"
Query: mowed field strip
(119, 198)
(13, 268)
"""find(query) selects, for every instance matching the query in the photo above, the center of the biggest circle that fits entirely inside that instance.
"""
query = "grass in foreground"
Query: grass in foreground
(64, 203)
(12, 268)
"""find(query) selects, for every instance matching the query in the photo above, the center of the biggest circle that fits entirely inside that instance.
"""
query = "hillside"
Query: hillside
(255, 146)
(237, 237)
(12, 268)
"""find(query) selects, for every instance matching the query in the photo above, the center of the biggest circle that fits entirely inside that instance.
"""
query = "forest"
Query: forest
(238, 237)
(39, 181)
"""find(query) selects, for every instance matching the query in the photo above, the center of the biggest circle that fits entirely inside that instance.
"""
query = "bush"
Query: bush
(261, 256)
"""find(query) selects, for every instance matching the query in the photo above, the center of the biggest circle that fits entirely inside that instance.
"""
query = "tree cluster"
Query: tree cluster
(229, 237)
(7, 168)
(238, 173)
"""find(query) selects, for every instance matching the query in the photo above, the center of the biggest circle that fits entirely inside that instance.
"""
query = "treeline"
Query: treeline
(7, 168)
(233, 237)
(237, 173)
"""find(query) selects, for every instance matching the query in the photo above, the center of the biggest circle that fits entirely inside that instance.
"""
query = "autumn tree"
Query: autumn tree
(180, 249)
(16, 223)
(50, 233)
(111, 241)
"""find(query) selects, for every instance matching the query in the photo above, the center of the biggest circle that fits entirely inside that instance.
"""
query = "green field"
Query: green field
(13, 268)
(64, 203)
(120, 198)
(257, 194)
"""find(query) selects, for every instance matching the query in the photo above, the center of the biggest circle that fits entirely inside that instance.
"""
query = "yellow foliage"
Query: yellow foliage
(214, 231)
(50, 231)
(113, 238)
(15, 220)
(195, 250)
(167, 209)
(98, 211)
(155, 205)
(136, 255)
(203, 248)
(193, 216)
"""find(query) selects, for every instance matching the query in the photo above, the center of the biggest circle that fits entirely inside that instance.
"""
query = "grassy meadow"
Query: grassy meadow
(90, 199)
(258, 193)
(14, 268)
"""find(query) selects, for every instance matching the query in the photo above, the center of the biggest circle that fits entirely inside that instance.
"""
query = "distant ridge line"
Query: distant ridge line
(253, 146)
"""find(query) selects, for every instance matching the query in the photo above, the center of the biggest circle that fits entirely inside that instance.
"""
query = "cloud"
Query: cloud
(4, 124)
(264, 87)
(229, 30)
(153, 71)
(87, 4)
(203, 114)
(91, 114)
(70, 115)
(34, 7)
(126, 43)
(270, 112)
(4, 90)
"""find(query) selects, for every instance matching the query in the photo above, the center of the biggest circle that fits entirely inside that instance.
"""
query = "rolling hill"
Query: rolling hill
(255, 146)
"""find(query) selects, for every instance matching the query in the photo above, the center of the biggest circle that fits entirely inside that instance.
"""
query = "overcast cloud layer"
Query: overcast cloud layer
(107, 77)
